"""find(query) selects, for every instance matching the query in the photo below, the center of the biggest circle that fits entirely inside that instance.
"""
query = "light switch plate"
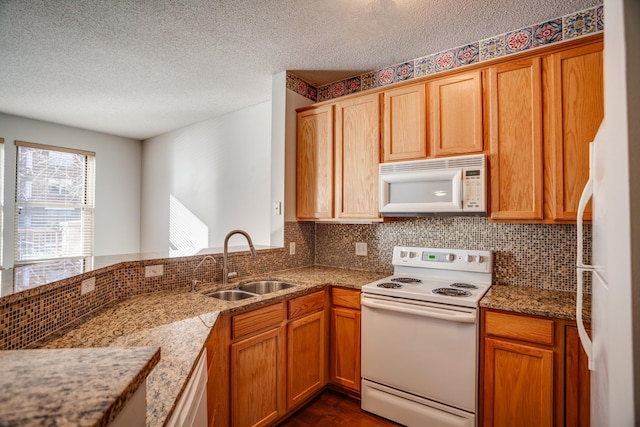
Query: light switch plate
(153, 270)
(361, 249)
(292, 248)
(88, 285)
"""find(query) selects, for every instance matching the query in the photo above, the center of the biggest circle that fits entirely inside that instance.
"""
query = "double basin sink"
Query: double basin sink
(252, 289)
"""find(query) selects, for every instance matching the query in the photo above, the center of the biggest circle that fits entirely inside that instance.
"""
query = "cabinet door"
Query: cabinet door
(357, 157)
(455, 116)
(345, 348)
(515, 134)
(258, 379)
(577, 106)
(315, 163)
(306, 357)
(518, 384)
(405, 123)
(577, 381)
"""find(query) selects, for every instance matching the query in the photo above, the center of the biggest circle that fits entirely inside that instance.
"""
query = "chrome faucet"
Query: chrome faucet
(194, 282)
(225, 265)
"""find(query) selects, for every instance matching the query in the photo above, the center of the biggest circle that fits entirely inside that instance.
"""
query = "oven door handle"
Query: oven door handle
(449, 315)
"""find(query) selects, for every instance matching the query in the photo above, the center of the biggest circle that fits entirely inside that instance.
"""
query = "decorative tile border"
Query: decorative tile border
(301, 87)
(568, 27)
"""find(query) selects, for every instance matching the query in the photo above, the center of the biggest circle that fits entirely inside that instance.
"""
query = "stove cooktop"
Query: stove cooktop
(447, 276)
(452, 293)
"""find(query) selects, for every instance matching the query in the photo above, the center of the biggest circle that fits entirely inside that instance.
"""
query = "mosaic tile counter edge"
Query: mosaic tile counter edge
(31, 315)
(574, 25)
(31, 381)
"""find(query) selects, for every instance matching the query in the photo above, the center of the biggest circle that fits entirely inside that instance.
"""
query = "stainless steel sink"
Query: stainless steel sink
(265, 286)
(231, 295)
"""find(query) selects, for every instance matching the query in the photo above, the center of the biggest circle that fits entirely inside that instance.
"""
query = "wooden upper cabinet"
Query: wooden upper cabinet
(577, 108)
(455, 114)
(357, 155)
(405, 123)
(315, 163)
(515, 133)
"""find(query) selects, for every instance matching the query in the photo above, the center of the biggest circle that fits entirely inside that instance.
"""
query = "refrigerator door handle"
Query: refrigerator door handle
(582, 332)
(587, 193)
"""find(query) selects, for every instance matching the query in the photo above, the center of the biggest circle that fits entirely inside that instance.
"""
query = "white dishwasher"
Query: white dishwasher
(420, 337)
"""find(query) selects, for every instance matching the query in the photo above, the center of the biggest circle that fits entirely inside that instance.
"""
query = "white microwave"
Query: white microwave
(449, 185)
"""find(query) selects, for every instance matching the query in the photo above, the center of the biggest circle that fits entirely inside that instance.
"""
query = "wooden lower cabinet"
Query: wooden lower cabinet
(257, 378)
(306, 352)
(345, 339)
(518, 384)
(533, 372)
(578, 381)
(267, 362)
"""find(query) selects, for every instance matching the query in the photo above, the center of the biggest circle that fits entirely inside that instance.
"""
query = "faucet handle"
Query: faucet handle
(194, 282)
(232, 275)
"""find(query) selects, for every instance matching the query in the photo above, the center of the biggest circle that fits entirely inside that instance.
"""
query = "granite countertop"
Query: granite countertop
(179, 323)
(536, 301)
(68, 386)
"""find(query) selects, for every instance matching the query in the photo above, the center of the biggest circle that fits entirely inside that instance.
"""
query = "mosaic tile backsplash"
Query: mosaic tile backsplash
(534, 255)
(28, 316)
(568, 27)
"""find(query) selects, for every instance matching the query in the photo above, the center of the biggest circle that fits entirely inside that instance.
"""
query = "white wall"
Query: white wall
(118, 160)
(218, 175)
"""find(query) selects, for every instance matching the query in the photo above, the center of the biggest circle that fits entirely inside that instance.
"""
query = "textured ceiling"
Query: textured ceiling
(139, 68)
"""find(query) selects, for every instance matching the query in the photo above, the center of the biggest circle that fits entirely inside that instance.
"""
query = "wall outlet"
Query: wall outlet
(88, 285)
(153, 270)
(292, 248)
(361, 249)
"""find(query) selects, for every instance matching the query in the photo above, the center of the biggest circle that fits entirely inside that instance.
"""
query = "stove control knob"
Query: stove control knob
(479, 259)
(449, 257)
(403, 254)
(413, 254)
(469, 258)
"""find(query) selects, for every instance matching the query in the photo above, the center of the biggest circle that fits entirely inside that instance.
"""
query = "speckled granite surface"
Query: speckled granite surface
(68, 387)
(541, 302)
(179, 323)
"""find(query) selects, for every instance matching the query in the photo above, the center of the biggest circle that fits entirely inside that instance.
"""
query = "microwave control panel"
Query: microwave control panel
(473, 190)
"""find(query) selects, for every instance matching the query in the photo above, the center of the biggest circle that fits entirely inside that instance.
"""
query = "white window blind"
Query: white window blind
(54, 202)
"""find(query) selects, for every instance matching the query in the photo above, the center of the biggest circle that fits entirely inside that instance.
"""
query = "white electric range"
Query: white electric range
(420, 337)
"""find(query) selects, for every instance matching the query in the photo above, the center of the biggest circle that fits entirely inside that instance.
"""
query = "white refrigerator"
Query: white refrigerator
(615, 371)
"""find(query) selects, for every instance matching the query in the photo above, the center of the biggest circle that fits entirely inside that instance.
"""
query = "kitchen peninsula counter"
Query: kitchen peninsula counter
(69, 386)
(536, 301)
(179, 322)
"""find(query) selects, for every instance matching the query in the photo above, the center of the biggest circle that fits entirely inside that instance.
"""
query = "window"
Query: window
(54, 203)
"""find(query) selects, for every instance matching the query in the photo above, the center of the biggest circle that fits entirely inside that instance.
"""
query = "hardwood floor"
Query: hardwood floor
(334, 409)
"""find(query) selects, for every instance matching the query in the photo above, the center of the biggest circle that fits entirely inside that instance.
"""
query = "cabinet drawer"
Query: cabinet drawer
(305, 304)
(519, 327)
(257, 320)
(349, 298)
